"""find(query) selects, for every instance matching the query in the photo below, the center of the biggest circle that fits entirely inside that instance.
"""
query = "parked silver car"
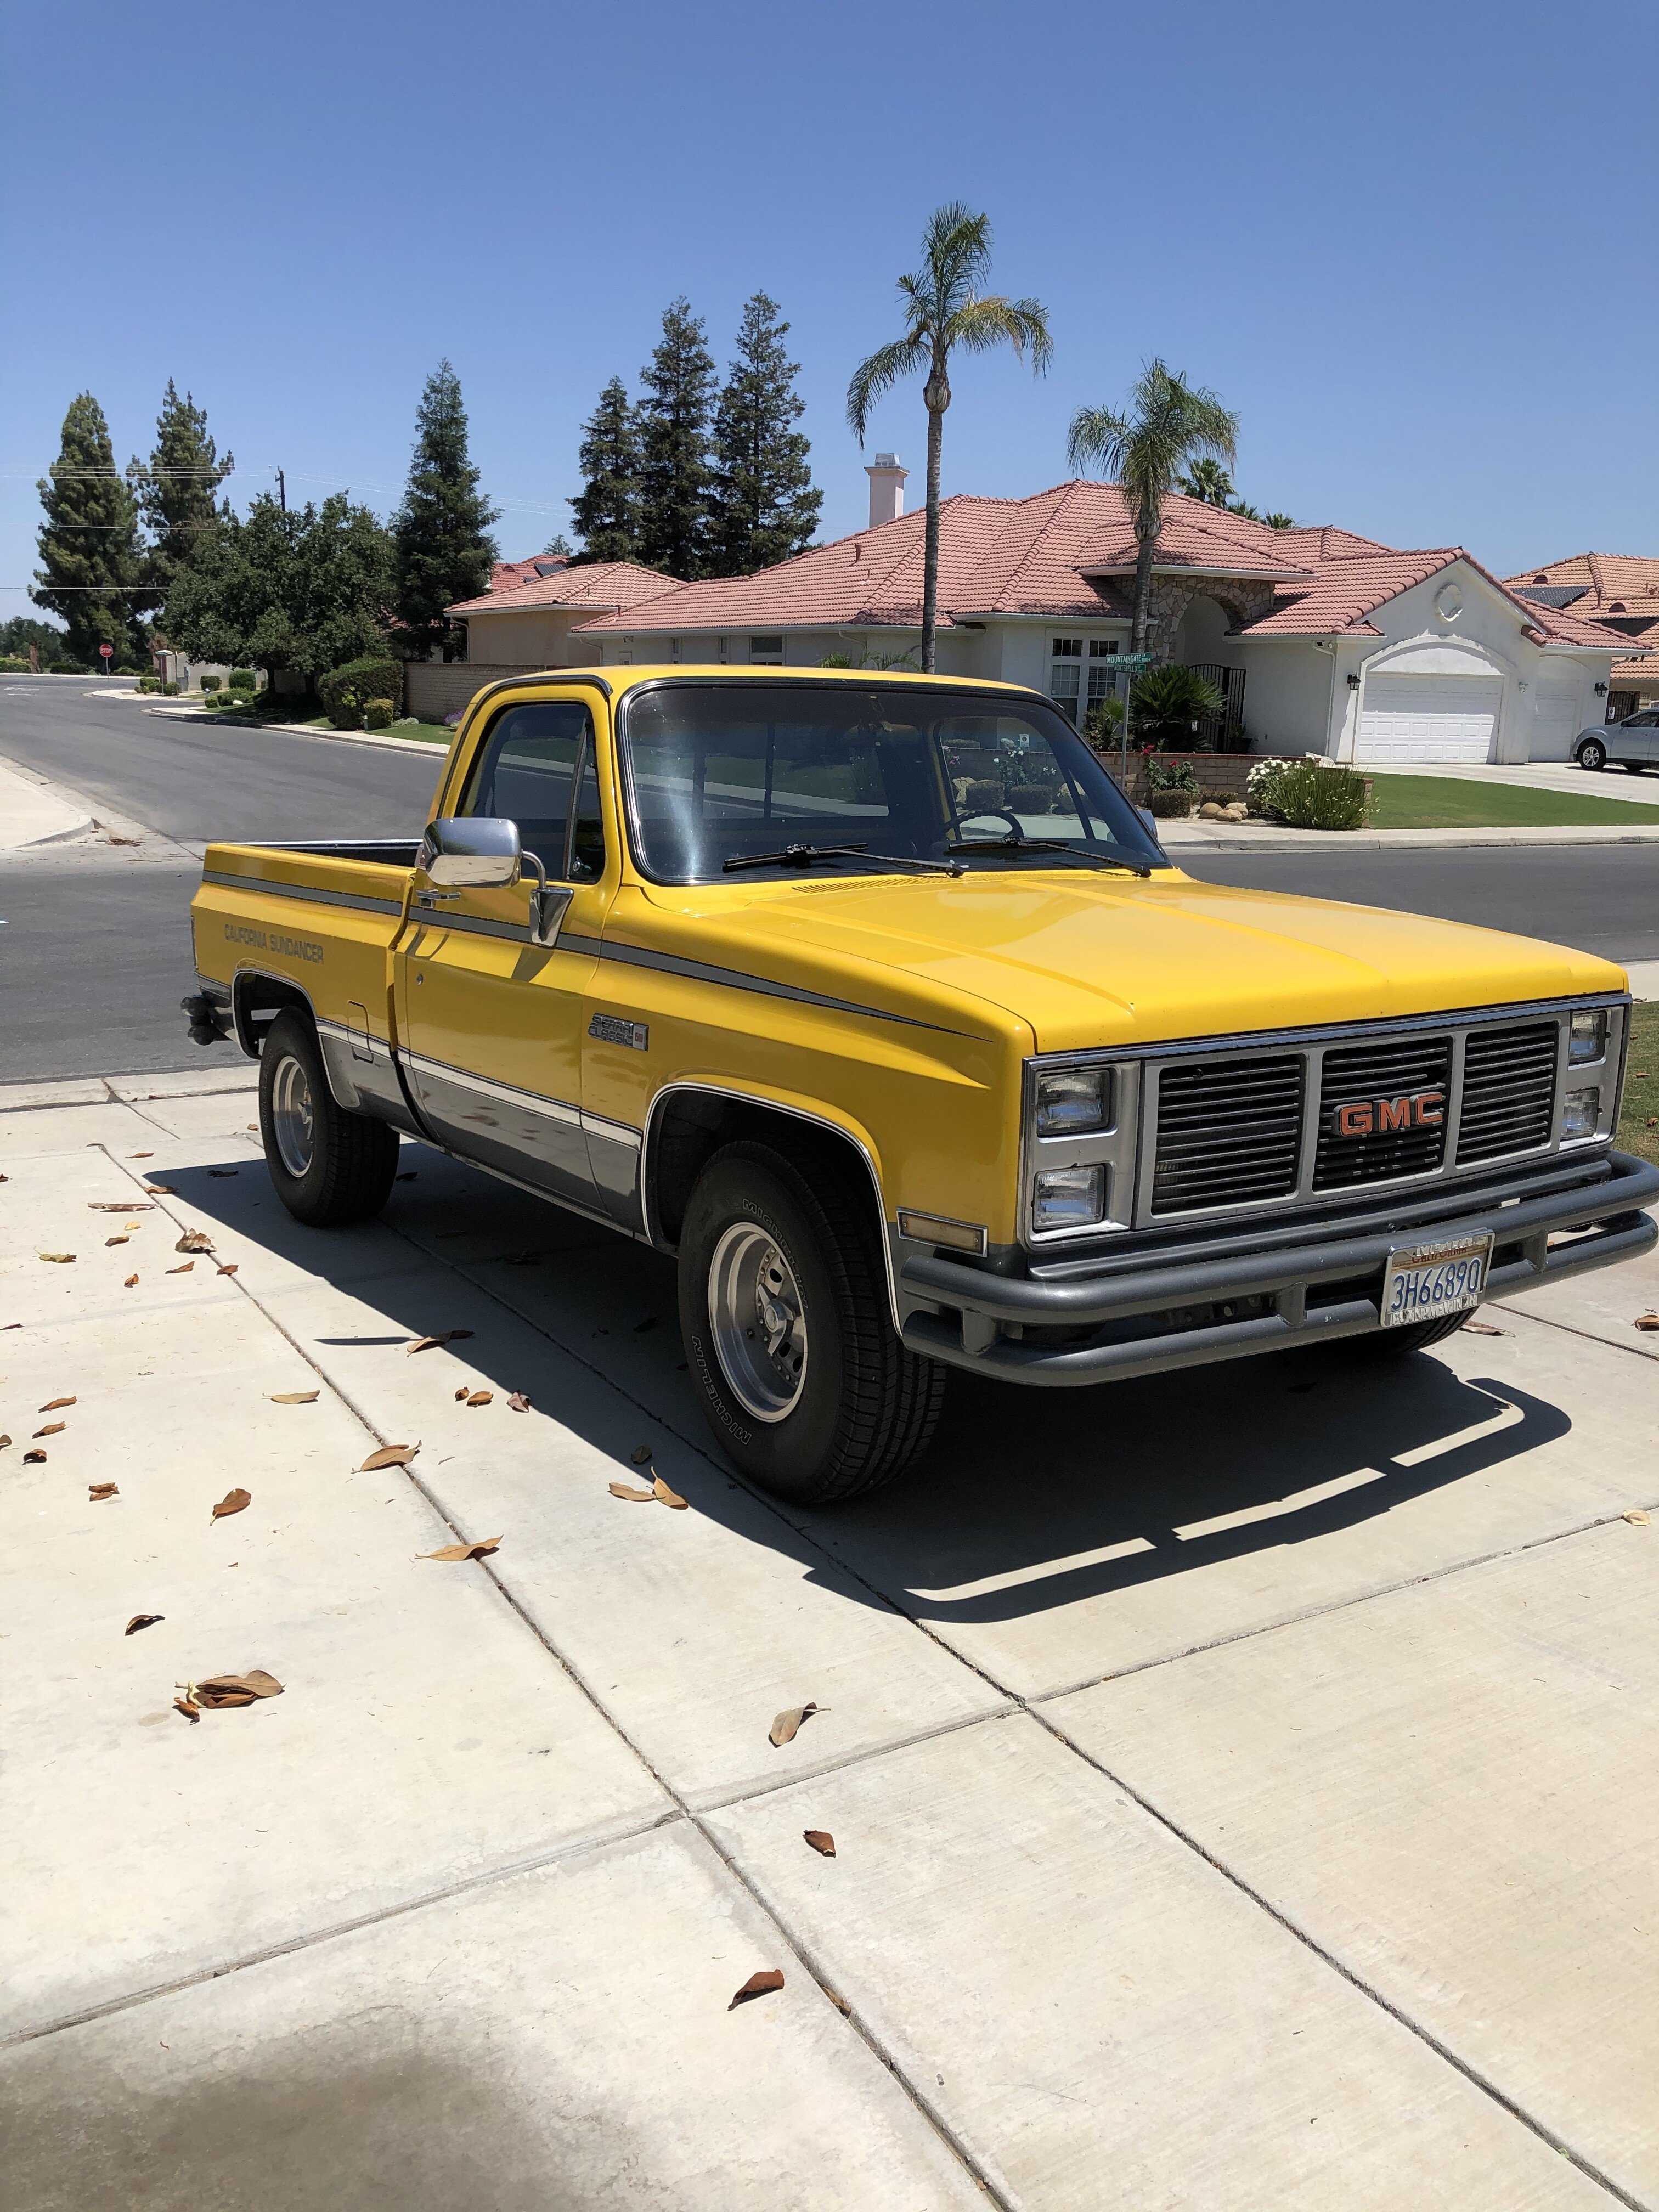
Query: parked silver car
(1632, 743)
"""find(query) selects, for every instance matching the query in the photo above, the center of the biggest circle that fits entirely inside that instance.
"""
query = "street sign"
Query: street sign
(1132, 660)
(106, 652)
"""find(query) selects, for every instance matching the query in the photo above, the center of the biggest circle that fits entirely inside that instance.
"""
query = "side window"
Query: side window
(587, 836)
(524, 773)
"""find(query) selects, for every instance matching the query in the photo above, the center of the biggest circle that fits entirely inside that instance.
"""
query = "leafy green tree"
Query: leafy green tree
(1280, 521)
(175, 488)
(22, 632)
(765, 505)
(1169, 426)
(674, 416)
(607, 511)
(303, 592)
(558, 547)
(443, 549)
(1208, 480)
(943, 310)
(89, 568)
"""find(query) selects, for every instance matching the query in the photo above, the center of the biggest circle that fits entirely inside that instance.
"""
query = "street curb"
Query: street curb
(430, 746)
(1543, 835)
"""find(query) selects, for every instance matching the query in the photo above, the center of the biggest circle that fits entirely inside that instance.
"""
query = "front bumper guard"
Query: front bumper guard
(1607, 1213)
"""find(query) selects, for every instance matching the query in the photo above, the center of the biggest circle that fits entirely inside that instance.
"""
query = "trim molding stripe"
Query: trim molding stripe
(735, 978)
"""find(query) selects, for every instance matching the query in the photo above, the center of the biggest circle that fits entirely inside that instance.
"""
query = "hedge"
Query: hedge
(345, 692)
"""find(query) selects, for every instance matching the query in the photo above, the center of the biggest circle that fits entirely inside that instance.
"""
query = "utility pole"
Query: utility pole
(282, 489)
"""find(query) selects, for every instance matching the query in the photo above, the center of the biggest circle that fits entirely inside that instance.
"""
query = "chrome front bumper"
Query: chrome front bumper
(1144, 1321)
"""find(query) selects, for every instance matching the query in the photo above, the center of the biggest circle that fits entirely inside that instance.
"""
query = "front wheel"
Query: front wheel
(788, 1338)
(330, 1167)
(1592, 754)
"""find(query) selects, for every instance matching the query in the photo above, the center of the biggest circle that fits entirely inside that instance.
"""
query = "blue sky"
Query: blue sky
(1410, 244)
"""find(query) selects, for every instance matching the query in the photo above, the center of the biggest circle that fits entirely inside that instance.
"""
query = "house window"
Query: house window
(766, 651)
(1081, 675)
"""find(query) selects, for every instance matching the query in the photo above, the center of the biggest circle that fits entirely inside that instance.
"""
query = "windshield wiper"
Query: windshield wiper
(1012, 844)
(803, 856)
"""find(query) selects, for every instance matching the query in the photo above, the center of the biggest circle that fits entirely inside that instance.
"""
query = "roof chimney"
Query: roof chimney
(886, 488)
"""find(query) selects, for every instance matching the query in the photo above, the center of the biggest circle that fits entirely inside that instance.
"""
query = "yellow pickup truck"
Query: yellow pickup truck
(873, 999)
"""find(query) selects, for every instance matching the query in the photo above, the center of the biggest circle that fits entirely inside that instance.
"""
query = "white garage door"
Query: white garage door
(1429, 718)
(1554, 720)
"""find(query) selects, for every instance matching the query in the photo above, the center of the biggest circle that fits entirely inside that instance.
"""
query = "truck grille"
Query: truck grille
(1508, 1092)
(1400, 1068)
(1228, 1131)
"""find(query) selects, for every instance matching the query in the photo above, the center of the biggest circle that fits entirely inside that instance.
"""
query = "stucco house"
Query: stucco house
(523, 623)
(1322, 640)
(1621, 591)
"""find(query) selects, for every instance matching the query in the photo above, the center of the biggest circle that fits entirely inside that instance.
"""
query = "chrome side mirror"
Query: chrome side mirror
(471, 852)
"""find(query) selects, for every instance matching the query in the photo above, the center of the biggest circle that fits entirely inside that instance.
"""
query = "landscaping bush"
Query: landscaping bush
(345, 692)
(170, 690)
(241, 679)
(1316, 795)
(377, 714)
(149, 683)
(1170, 805)
(1171, 776)
(12, 665)
(65, 668)
(211, 683)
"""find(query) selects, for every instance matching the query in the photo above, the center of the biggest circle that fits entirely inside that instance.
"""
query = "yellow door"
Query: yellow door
(493, 1017)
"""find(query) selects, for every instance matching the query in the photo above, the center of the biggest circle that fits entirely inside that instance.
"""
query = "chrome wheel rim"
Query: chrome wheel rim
(1592, 756)
(291, 1120)
(758, 1318)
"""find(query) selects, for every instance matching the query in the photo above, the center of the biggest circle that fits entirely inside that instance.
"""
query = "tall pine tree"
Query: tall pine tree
(89, 557)
(442, 532)
(607, 513)
(674, 424)
(765, 505)
(175, 488)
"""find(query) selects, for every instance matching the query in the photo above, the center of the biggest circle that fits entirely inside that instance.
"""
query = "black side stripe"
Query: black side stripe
(302, 891)
(734, 979)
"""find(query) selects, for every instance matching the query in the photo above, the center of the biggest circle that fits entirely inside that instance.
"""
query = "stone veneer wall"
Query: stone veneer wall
(1246, 599)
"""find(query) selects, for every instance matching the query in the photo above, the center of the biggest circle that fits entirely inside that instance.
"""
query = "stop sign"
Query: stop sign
(106, 652)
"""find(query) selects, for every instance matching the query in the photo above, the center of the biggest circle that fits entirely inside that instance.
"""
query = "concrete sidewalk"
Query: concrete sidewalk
(1240, 1791)
(36, 811)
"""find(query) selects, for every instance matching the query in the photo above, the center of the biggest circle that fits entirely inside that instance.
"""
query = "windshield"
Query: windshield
(724, 775)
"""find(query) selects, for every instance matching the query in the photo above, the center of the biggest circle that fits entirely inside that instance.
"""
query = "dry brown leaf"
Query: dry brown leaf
(1482, 1328)
(222, 1693)
(821, 1840)
(56, 1405)
(641, 1454)
(59, 1258)
(108, 1240)
(786, 1726)
(234, 1501)
(119, 1206)
(293, 1397)
(159, 1190)
(460, 1393)
(131, 1284)
(839, 2002)
(518, 1402)
(389, 1456)
(230, 1270)
(481, 1398)
(1636, 1518)
(665, 1495)
(144, 1155)
(184, 1270)
(97, 1492)
(130, 1227)
(142, 1620)
(617, 1490)
(188, 1707)
(444, 1336)
(5, 1443)
(194, 1240)
(218, 1174)
(34, 1459)
(52, 1429)
(1648, 1322)
(481, 1550)
(757, 1986)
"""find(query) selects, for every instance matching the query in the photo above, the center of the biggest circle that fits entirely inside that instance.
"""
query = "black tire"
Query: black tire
(1415, 1336)
(1592, 754)
(864, 1407)
(340, 1168)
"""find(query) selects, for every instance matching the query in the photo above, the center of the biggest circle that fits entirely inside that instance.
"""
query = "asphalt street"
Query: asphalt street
(96, 942)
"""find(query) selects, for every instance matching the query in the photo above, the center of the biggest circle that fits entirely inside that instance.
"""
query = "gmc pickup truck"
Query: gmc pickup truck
(873, 1000)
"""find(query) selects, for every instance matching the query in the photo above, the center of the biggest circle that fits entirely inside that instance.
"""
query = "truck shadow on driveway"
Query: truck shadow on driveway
(1028, 1501)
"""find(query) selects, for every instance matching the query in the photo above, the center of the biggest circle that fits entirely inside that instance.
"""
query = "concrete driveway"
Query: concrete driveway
(1241, 1787)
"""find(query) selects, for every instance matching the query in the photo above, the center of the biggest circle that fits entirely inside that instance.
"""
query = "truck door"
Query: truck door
(492, 1018)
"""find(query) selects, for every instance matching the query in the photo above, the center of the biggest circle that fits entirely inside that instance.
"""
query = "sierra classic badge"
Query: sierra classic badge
(1376, 1117)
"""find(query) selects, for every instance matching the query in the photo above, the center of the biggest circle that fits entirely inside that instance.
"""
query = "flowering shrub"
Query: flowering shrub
(1170, 775)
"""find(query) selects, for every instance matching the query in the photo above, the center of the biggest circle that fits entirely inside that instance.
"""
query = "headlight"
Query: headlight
(1072, 1101)
(1580, 1112)
(1589, 1035)
(1069, 1198)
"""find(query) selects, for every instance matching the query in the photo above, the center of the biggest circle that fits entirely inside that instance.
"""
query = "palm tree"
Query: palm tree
(1208, 480)
(943, 308)
(1170, 426)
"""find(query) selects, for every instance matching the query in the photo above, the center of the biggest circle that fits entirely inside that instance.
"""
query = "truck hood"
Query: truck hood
(1098, 959)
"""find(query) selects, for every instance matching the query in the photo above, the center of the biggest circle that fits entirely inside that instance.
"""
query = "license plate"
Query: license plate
(1422, 1282)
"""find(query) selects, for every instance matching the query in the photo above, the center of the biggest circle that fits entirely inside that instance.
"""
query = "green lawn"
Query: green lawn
(1436, 802)
(1639, 1124)
(431, 733)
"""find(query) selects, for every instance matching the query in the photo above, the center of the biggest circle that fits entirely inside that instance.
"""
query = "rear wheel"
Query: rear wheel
(330, 1167)
(1592, 754)
(788, 1337)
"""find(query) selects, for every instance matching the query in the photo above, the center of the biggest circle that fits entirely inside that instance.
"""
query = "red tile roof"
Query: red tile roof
(1065, 551)
(1352, 586)
(600, 585)
(1622, 585)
